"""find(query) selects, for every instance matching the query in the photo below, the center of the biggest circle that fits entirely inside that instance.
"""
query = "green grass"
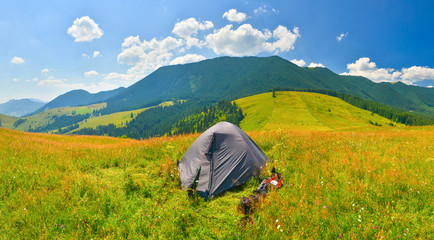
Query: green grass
(304, 111)
(119, 119)
(371, 184)
(45, 117)
(7, 121)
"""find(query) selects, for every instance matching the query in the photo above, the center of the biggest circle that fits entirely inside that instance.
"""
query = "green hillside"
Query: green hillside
(304, 111)
(7, 121)
(119, 119)
(49, 116)
(424, 97)
(232, 78)
(78, 98)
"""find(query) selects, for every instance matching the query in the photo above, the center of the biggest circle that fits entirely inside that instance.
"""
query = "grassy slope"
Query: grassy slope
(349, 184)
(119, 118)
(303, 111)
(7, 121)
(45, 117)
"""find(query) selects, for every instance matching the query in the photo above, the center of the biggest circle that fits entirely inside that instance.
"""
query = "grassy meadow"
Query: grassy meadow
(46, 117)
(350, 185)
(118, 118)
(7, 121)
(305, 111)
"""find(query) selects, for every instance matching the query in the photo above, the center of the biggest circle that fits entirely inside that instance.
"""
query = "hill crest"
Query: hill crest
(237, 77)
(305, 111)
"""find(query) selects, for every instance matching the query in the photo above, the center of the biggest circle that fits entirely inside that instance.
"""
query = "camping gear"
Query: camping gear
(274, 181)
(245, 206)
(221, 158)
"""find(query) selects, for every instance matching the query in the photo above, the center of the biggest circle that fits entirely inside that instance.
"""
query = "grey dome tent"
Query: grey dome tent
(222, 157)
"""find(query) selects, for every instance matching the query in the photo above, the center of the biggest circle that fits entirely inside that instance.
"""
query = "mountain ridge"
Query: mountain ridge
(78, 97)
(237, 77)
(20, 107)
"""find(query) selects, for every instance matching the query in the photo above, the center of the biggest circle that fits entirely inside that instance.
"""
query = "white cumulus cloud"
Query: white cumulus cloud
(300, 63)
(45, 71)
(234, 16)
(189, 58)
(364, 67)
(145, 56)
(246, 40)
(15, 79)
(188, 29)
(131, 41)
(285, 39)
(17, 60)
(151, 54)
(417, 73)
(341, 36)
(315, 65)
(96, 54)
(84, 29)
(91, 73)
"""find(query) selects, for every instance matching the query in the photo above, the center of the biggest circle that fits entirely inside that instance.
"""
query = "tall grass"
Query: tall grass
(337, 185)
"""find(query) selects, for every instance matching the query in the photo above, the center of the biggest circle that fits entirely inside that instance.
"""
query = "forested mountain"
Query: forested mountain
(231, 78)
(20, 107)
(196, 89)
(78, 98)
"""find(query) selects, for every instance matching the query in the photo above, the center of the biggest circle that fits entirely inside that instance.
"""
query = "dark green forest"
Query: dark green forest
(159, 121)
(60, 122)
(232, 78)
(194, 116)
(156, 121)
(197, 117)
(223, 111)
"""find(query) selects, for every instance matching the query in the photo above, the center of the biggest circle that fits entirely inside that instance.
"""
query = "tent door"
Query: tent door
(196, 178)
(210, 156)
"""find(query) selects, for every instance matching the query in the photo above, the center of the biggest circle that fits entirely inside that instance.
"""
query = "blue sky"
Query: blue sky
(50, 47)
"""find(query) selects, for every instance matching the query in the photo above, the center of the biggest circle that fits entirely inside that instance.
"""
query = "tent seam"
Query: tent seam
(250, 150)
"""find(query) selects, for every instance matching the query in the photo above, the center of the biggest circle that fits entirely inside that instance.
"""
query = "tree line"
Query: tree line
(156, 121)
(224, 110)
(60, 122)
(196, 116)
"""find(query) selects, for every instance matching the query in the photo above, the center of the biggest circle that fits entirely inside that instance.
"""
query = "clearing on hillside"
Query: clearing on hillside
(49, 116)
(7, 121)
(304, 111)
(118, 118)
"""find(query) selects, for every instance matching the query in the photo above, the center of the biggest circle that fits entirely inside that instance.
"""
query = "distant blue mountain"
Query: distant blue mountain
(20, 107)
